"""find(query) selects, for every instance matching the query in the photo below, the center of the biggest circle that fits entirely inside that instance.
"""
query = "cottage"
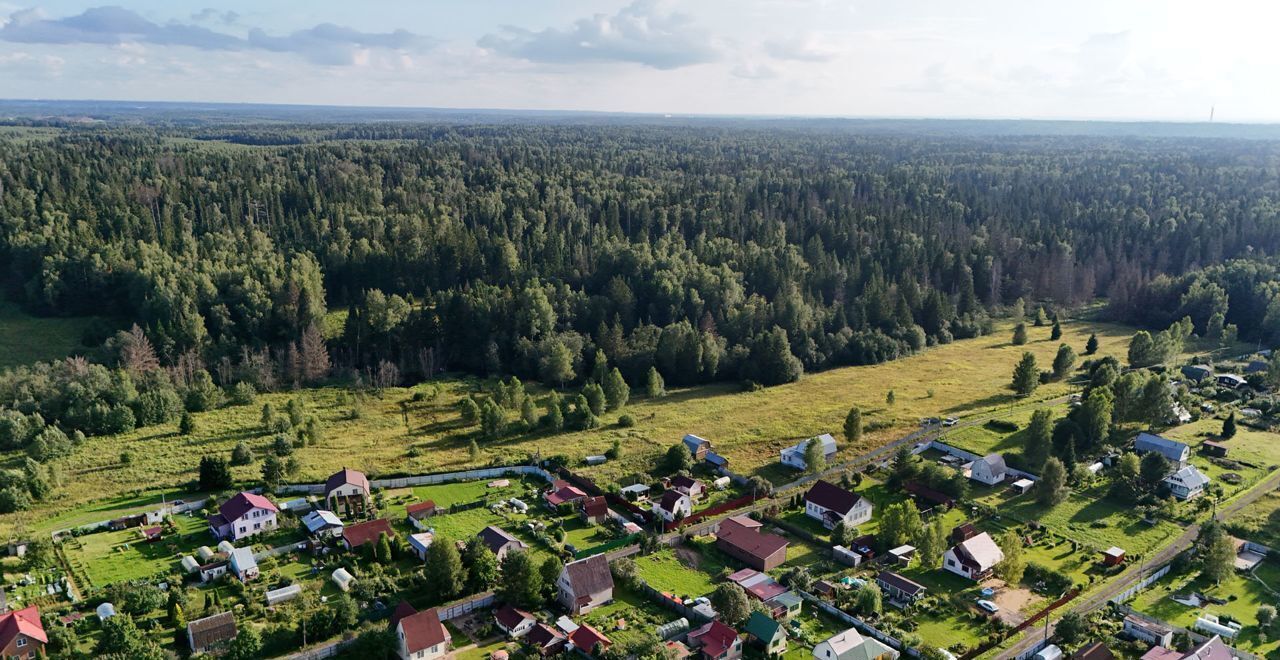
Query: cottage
(793, 456)
(213, 570)
(347, 492)
(1173, 451)
(1232, 381)
(243, 565)
(545, 640)
(421, 636)
(1214, 448)
(1150, 632)
(766, 633)
(635, 492)
(899, 588)
(694, 488)
(849, 645)
(588, 641)
(785, 606)
(562, 493)
(514, 622)
(716, 641)
(211, 633)
(831, 505)
(594, 510)
(370, 531)
(989, 469)
(757, 585)
(420, 542)
(1187, 483)
(322, 524)
(673, 506)
(973, 558)
(1197, 372)
(243, 515)
(418, 512)
(741, 538)
(698, 447)
(500, 542)
(1113, 556)
(22, 634)
(585, 584)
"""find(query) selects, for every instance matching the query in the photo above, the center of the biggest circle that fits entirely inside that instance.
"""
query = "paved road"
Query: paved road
(1100, 598)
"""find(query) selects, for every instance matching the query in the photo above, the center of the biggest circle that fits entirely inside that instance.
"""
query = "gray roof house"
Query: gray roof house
(1173, 451)
(989, 469)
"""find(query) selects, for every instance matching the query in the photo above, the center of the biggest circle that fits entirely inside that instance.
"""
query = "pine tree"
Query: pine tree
(1037, 440)
(1026, 376)
(528, 413)
(1052, 487)
(853, 426)
(616, 390)
(595, 398)
(1091, 346)
(1063, 361)
(314, 356)
(187, 424)
(1056, 333)
(1020, 334)
(654, 386)
(1229, 427)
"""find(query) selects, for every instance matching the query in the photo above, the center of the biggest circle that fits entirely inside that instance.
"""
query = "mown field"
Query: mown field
(25, 339)
(391, 434)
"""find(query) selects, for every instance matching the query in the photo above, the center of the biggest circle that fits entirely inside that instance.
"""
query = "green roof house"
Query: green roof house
(769, 634)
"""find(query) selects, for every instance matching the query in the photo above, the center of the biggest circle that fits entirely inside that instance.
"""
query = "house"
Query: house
(418, 512)
(562, 493)
(594, 510)
(213, 570)
(1094, 651)
(585, 584)
(347, 492)
(694, 488)
(768, 634)
(793, 456)
(322, 524)
(740, 537)
(698, 447)
(673, 506)
(899, 588)
(420, 542)
(831, 504)
(421, 636)
(545, 639)
(211, 633)
(243, 515)
(1212, 649)
(716, 641)
(989, 469)
(356, 535)
(635, 492)
(1233, 381)
(785, 606)
(500, 542)
(1197, 372)
(514, 622)
(902, 555)
(243, 565)
(588, 641)
(1173, 451)
(1187, 483)
(1150, 632)
(1214, 448)
(974, 557)
(757, 585)
(849, 645)
(1113, 556)
(22, 634)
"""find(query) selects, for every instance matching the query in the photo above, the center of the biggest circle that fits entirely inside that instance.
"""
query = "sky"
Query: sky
(1170, 60)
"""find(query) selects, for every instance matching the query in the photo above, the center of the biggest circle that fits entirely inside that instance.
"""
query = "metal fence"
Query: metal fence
(480, 601)
(1141, 584)
(862, 626)
(426, 479)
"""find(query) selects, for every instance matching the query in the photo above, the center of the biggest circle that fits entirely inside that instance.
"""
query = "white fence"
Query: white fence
(152, 515)
(482, 601)
(1141, 584)
(321, 652)
(424, 479)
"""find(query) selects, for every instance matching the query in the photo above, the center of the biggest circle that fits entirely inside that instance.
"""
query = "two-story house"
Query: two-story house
(1187, 483)
(421, 636)
(832, 505)
(585, 584)
(673, 506)
(716, 641)
(243, 515)
(973, 557)
(22, 634)
(347, 492)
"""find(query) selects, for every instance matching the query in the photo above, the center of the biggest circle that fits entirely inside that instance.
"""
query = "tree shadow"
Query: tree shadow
(990, 401)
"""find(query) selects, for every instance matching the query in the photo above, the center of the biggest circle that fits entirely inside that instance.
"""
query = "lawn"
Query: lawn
(107, 557)
(25, 339)
(1243, 594)
(690, 574)
(461, 492)
(391, 432)
(1091, 518)
(1255, 453)
(1260, 521)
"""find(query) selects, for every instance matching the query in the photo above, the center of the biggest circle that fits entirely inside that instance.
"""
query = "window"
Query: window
(22, 641)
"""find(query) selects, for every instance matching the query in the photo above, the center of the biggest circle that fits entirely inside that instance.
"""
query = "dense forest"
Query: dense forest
(702, 252)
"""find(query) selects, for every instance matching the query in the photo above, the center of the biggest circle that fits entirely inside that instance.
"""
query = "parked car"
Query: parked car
(988, 605)
(950, 421)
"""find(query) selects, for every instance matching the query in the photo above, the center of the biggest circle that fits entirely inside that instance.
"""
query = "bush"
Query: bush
(243, 393)
(626, 421)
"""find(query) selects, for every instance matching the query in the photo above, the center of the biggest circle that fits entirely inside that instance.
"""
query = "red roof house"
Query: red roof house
(354, 536)
(422, 635)
(21, 633)
(587, 640)
(741, 538)
(716, 641)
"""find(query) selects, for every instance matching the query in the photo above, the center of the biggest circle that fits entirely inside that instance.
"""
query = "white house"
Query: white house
(1187, 483)
(245, 514)
(793, 456)
(974, 557)
(849, 645)
(989, 469)
(832, 504)
(585, 584)
(421, 636)
(673, 506)
(514, 622)
(419, 543)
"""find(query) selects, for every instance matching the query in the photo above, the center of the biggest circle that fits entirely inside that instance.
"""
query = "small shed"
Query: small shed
(189, 564)
(845, 556)
(152, 534)
(1021, 486)
(1112, 556)
(1214, 448)
(903, 554)
(106, 611)
(343, 579)
(283, 594)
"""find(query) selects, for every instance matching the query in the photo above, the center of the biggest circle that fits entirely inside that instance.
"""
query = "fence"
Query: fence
(425, 479)
(862, 626)
(321, 652)
(716, 510)
(160, 512)
(1142, 584)
(480, 601)
(606, 547)
(679, 608)
(970, 456)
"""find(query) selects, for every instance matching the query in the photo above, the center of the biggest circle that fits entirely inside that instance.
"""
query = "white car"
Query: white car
(950, 421)
(988, 606)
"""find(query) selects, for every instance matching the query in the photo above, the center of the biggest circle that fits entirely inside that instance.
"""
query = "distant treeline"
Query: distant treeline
(706, 252)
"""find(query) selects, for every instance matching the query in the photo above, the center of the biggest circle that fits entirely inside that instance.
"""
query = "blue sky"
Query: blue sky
(1091, 59)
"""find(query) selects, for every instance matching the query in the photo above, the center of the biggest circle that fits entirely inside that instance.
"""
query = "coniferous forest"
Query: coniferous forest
(702, 252)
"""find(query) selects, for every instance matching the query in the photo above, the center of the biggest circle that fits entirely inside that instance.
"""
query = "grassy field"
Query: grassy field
(1090, 518)
(370, 433)
(1244, 593)
(25, 339)
(1260, 521)
(108, 557)
(692, 574)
